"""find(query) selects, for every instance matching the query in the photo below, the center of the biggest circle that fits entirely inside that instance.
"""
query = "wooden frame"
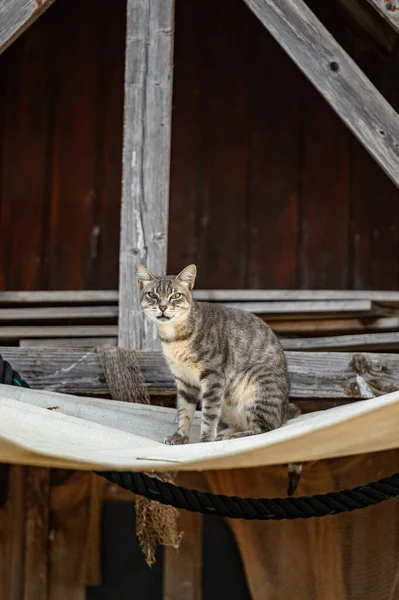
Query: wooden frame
(16, 16)
(336, 76)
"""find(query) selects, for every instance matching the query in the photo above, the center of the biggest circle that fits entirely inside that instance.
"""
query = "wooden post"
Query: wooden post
(146, 159)
(337, 77)
(16, 16)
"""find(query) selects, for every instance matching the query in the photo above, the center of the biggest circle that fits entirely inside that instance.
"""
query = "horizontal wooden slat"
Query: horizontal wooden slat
(58, 313)
(390, 298)
(63, 297)
(330, 375)
(16, 16)
(68, 342)
(291, 309)
(13, 333)
(367, 341)
(335, 326)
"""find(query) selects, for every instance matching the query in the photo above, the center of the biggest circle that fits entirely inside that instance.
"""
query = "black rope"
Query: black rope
(240, 508)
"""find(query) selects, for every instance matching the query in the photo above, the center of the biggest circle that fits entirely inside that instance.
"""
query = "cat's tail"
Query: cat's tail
(294, 469)
(294, 476)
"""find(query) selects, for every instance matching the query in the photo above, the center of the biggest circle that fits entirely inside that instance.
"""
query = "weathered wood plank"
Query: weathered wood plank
(389, 10)
(336, 76)
(36, 533)
(367, 341)
(389, 298)
(182, 568)
(64, 297)
(58, 313)
(68, 342)
(321, 549)
(318, 307)
(332, 375)
(16, 16)
(12, 333)
(109, 297)
(335, 326)
(146, 159)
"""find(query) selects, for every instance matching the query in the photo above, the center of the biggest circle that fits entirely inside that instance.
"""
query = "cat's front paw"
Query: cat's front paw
(176, 439)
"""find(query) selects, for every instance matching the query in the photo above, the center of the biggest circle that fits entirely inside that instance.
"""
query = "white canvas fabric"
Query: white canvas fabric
(58, 430)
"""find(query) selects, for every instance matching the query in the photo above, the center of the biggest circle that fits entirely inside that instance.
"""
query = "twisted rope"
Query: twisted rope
(233, 507)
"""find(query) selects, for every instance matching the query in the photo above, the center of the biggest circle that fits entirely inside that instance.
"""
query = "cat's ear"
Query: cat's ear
(144, 276)
(187, 276)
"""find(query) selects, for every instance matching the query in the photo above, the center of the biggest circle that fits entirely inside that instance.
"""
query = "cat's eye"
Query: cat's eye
(152, 295)
(175, 296)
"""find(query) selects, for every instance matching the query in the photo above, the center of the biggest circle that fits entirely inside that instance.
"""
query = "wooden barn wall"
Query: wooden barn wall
(268, 188)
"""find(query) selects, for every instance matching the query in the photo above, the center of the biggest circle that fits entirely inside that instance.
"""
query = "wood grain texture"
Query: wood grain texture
(146, 159)
(374, 237)
(67, 342)
(60, 297)
(16, 16)
(327, 558)
(58, 313)
(225, 118)
(389, 10)
(182, 568)
(16, 333)
(36, 533)
(335, 326)
(324, 196)
(275, 133)
(12, 518)
(326, 375)
(24, 146)
(336, 76)
(365, 342)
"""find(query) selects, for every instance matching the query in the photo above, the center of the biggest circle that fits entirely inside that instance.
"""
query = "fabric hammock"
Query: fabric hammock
(57, 430)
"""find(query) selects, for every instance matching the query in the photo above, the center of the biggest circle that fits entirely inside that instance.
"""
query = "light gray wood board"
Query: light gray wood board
(60, 297)
(389, 10)
(16, 16)
(315, 327)
(58, 313)
(14, 333)
(68, 342)
(362, 342)
(146, 159)
(111, 296)
(380, 297)
(291, 309)
(333, 375)
(336, 76)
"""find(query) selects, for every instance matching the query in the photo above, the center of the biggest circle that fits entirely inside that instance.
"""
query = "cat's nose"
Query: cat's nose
(162, 308)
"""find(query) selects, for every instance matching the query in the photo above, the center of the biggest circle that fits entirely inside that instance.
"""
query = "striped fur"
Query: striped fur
(228, 360)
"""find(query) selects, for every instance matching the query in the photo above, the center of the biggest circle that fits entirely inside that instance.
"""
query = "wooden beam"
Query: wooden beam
(335, 326)
(64, 298)
(58, 313)
(389, 10)
(110, 297)
(146, 159)
(365, 342)
(16, 16)
(332, 375)
(296, 310)
(182, 568)
(336, 76)
(37, 544)
(12, 333)
(67, 342)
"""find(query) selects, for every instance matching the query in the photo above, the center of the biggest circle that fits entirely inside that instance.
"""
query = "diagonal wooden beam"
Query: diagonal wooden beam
(389, 10)
(146, 159)
(16, 16)
(336, 76)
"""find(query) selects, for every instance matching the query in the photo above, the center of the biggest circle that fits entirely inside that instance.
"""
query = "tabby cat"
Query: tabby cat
(227, 359)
